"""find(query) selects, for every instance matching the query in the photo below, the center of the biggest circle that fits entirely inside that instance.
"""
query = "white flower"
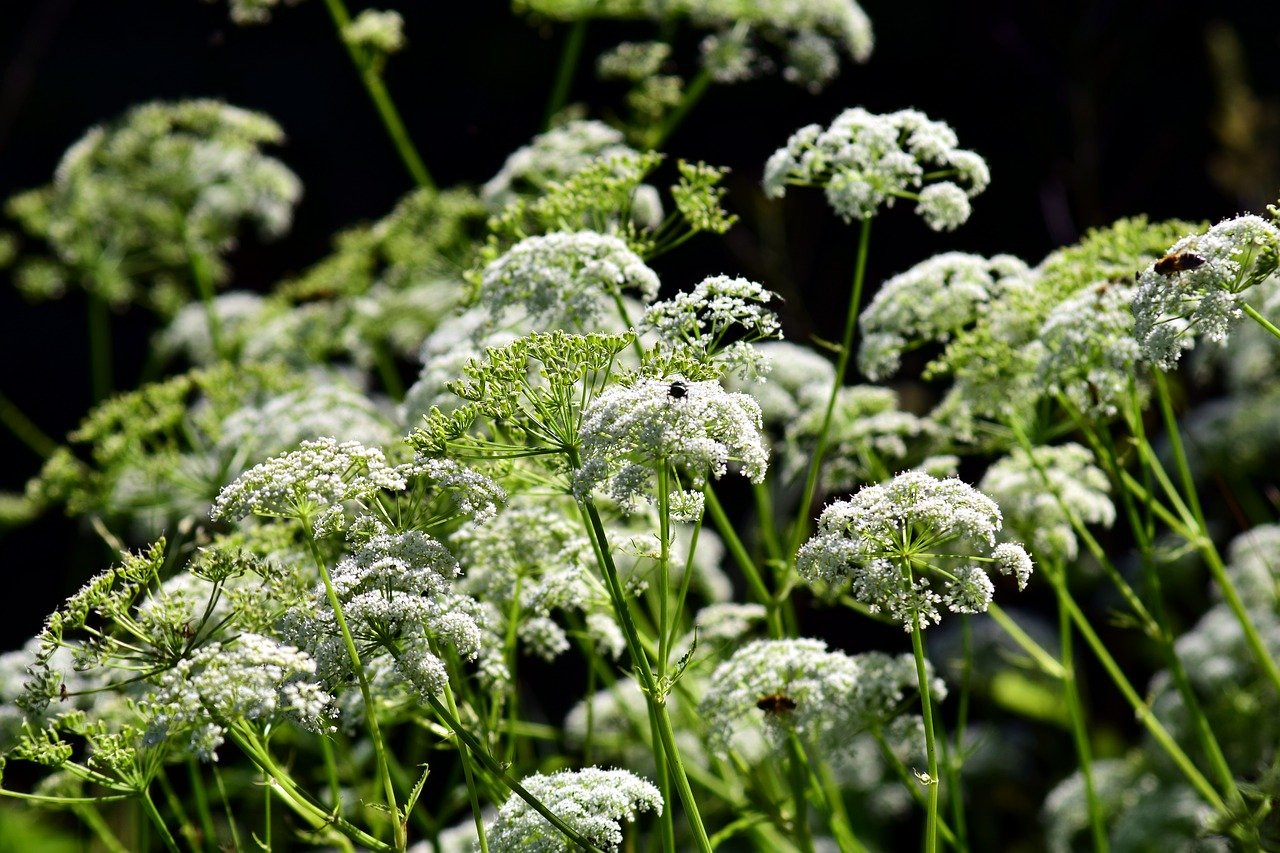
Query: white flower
(592, 801)
(798, 686)
(375, 31)
(699, 321)
(930, 302)
(628, 431)
(1088, 350)
(553, 156)
(565, 279)
(865, 161)
(310, 484)
(888, 540)
(253, 678)
(1196, 289)
(1031, 506)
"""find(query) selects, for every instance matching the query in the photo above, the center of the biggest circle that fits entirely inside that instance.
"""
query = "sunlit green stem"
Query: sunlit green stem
(25, 430)
(99, 347)
(366, 693)
(202, 272)
(654, 695)
(1216, 567)
(911, 784)
(692, 94)
(89, 814)
(381, 100)
(565, 71)
(926, 709)
(801, 528)
(748, 566)
(798, 779)
(157, 821)
(473, 794)
(1261, 321)
(1079, 726)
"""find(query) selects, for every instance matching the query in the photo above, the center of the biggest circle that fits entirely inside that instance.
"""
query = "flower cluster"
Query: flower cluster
(865, 161)
(1196, 288)
(717, 322)
(890, 539)
(697, 427)
(1039, 506)
(799, 686)
(931, 302)
(380, 34)
(592, 801)
(565, 280)
(553, 156)
(310, 484)
(253, 678)
(137, 204)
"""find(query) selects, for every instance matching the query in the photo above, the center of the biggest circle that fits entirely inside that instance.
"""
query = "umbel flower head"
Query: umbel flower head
(718, 321)
(136, 204)
(565, 280)
(866, 161)
(1034, 508)
(1197, 287)
(891, 543)
(553, 156)
(697, 427)
(592, 801)
(798, 686)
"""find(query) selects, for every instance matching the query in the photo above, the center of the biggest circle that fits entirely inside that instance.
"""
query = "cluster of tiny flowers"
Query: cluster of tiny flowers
(728, 57)
(327, 407)
(1196, 289)
(810, 32)
(553, 156)
(797, 378)
(134, 204)
(188, 332)
(717, 321)
(1087, 351)
(380, 33)
(867, 434)
(1034, 508)
(930, 302)
(877, 541)
(865, 161)
(253, 678)
(565, 279)
(594, 802)
(636, 553)
(472, 493)
(532, 561)
(799, 686)
(633, 61)
(628, 431)
(311, 483)
(397, 596)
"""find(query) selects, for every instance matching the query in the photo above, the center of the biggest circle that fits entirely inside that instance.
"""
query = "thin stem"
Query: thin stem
(89, 814)
(226, 807)
(154, 814)
(1261, 321)
(692, 94)
(1048, 663)
(664, 568)
(201, 796)
(473, 794)
(926, 707)
(912, 785)
(797, 777)
(667, 823)
(99, 347)
(381, 100)
(801, 527)
(25, 430)
(1079, 727)
(370, 709)
(1216, 567)
(203, 275)
(495, 769)
(565, 71)
(653, 695)
(955, 760)
(739, 552)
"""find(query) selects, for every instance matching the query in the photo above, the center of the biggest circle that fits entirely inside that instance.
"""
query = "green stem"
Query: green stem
(185, 827)
(203, 275)
(381, 100)
(842, 366)
(1079, 728)
(387, 371)
(798, 779)
(1048, 664)
(565, 71)
(955, 760)
(201, 796)
(370, 709)
(653, 695)
(739, 552)
(154, 814)
(89, 814)
(99, 347)
(667, 824)
(926, 707)
(692, 94)
(1261, 321)
(664, 569)
(25, 430)
(912, 785)
(464, 753)
(1216, 566)
(496, 770)
(226, 807)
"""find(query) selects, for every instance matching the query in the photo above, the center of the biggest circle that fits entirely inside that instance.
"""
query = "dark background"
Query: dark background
(1085, 112)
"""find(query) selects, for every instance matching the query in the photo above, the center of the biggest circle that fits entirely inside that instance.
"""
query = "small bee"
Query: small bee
(1182, 261)
(678, 390)
(186, 630)
(62, 692)
(776, 703)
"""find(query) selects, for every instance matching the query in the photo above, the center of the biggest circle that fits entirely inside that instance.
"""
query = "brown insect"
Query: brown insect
(62, 692)
(776, 703)
(1180, 262)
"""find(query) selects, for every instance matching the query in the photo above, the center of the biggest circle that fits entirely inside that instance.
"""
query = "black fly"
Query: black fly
(678, 390)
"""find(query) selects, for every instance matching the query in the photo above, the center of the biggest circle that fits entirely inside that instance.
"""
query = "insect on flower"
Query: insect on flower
(776, 703)
(62, 692)
(1179, 262)
(678, 390)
